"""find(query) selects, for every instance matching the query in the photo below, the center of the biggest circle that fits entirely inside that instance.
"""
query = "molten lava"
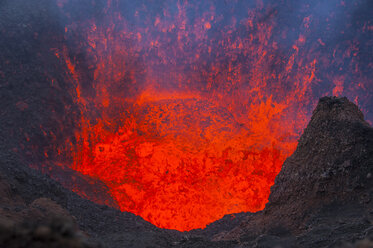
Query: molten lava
(182, 162)
(188, 118)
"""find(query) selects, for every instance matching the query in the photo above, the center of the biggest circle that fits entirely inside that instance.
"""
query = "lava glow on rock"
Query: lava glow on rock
(189, 109)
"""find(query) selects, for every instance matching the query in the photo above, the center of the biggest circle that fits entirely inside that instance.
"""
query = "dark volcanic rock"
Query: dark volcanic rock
(323, 195)
(332, 161)
(58, 233)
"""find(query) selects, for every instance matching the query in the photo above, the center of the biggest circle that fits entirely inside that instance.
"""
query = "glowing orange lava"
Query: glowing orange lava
(182, 162)
(186, 121)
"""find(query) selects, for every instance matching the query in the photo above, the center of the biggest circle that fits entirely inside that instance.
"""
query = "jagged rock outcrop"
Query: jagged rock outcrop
(323, 194)
(333, 160)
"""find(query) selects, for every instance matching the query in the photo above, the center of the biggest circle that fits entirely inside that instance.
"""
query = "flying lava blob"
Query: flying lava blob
(188, 109)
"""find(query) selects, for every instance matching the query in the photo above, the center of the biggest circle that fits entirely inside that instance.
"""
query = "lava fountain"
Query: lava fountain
(189, 109)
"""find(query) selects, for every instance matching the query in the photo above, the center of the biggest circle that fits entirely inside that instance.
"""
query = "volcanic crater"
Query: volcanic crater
(186, 124)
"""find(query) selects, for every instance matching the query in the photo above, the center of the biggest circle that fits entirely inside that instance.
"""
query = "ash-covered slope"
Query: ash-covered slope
(323, 195)
(333, 160)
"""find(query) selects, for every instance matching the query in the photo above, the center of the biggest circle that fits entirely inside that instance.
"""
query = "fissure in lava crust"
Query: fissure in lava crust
(188, 109)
